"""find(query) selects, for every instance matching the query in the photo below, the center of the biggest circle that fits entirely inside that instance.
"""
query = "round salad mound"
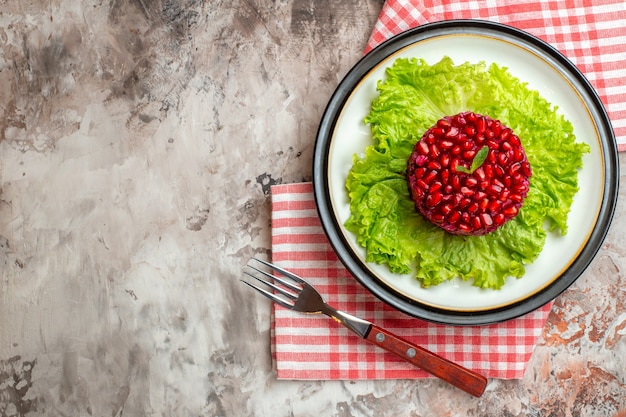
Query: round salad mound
(468, 174)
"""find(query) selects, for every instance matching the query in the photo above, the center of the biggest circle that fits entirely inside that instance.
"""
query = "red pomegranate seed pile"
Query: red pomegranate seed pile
(456, 200)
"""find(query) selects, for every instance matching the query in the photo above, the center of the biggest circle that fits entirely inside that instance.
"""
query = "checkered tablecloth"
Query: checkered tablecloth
(591, 34)
(315, 347)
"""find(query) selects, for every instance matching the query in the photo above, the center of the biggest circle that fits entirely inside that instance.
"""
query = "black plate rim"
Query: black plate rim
(357, 268)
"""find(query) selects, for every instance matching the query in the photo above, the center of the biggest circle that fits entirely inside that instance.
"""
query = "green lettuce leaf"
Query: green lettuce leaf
(413, 96)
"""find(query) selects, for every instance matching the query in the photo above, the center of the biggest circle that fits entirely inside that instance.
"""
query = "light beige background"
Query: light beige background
(138, 141)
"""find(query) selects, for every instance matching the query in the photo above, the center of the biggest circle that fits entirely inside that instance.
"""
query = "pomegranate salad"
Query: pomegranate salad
(468, 171)
(468, 174)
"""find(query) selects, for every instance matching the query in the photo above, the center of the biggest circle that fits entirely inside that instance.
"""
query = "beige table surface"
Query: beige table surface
(138, 140)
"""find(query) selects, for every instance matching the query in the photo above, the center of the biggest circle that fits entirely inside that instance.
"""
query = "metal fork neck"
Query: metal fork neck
(357, 325)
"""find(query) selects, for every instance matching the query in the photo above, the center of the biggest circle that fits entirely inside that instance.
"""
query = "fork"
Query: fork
(294, 293)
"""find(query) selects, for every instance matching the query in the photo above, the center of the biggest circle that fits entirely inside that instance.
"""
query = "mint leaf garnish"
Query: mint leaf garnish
(478, 160)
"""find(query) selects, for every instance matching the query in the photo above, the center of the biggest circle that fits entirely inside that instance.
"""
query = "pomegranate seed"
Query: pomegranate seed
(469, 155)
(517, 178)
(511, 210)
(471, 182)
(494, 189)
(520, 188)
(494, 206)
(446, 144)
(437, 131)
(464, 202)
(421, 160)
(480, 195)
(452, 132)
(433, 199)
(514, 168)
(459, 119)
(480, 174)
(438, 218)
(421, 184)
(445, 161)
(445, 176)
(456, 150)
(454, 217)
(488, 171)
(446, 209)
(496, 127)
(456, 182)
(486, 219)
(434, 165)
(481, 125)
(469, 131)
(429, 178)
(499, 219)
(467, 192)
(422, 147)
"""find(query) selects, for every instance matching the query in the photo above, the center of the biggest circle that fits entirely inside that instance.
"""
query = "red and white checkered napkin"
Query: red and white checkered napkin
(315, 347)
(591, 33)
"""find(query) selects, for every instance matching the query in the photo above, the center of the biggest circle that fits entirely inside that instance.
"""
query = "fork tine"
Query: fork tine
(281, 271)
(274, 277)
(269, 295)
(283, 291)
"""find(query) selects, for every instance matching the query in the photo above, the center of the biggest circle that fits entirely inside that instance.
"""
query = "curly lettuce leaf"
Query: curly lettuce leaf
(412, 98)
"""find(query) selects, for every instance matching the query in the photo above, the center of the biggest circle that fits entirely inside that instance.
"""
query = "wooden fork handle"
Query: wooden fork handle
(462, 378)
